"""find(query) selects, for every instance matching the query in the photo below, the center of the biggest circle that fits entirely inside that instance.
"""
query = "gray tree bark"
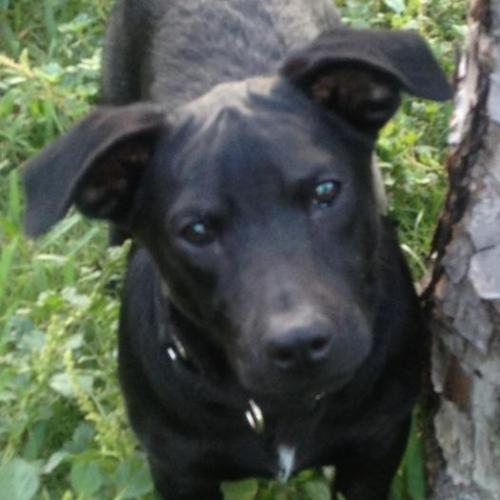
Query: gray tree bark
(464, 295)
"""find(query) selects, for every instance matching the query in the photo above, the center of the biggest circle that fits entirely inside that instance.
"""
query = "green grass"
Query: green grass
(63, 432)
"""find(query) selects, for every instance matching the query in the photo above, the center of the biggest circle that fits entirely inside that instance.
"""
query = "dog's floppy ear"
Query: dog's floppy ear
(97, 166)
(359, 73)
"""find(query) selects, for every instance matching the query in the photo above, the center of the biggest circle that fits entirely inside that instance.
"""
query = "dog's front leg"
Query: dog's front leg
(368, 476)
(173, 487)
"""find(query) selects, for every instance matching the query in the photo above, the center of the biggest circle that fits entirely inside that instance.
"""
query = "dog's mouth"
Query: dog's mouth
(321, 369)
(307, 386)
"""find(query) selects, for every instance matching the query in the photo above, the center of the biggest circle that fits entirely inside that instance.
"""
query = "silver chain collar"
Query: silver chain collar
(253, 415)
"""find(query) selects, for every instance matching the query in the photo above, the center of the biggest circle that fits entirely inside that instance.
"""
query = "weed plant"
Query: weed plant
(63, 431)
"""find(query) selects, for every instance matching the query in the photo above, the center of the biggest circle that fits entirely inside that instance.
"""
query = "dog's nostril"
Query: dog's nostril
(281, 355)
(291, 349)
(318, 347)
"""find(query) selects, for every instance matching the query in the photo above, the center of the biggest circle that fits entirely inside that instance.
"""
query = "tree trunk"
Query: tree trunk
(464, 295)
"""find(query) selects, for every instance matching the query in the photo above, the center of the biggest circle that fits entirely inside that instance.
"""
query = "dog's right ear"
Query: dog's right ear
(359, 74)
(96, 166)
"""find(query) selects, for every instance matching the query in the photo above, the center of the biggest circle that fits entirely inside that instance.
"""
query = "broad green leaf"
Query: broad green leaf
(315, 490)
(54, 461)
(81, 439)
(62, 384)
(18, 480)
(397, 6)
(35, 443)
(86, 478)
(133, 479)
(243, 490)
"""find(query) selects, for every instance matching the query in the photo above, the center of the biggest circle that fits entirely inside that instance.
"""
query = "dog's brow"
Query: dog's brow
(188, 211)
(310, 174)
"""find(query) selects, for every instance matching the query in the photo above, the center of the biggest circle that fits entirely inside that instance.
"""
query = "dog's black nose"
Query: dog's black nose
(300, 346)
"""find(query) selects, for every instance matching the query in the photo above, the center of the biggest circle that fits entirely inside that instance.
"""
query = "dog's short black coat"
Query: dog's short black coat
(264, 287)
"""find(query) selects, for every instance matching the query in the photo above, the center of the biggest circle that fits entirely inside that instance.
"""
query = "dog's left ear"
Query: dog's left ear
(359, 74)
(97, 166)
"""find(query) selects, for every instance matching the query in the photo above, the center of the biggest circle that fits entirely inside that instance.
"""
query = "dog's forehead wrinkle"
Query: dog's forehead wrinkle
(268, 99)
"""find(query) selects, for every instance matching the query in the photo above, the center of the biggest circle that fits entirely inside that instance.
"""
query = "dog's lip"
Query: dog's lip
(308, 389)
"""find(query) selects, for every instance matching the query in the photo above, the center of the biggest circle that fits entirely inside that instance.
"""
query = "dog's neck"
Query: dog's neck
(185, 343)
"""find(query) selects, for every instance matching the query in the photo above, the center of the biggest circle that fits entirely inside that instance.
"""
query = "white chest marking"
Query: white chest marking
(286, 462)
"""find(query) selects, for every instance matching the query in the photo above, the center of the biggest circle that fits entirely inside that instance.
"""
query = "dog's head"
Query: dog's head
(256, 201)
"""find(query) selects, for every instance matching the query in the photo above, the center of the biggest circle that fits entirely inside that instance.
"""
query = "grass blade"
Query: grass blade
(6, 260)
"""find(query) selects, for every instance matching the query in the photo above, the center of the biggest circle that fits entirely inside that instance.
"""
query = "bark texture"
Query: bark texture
(465, 290)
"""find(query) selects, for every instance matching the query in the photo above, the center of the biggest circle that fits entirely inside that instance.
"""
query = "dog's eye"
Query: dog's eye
(198, 233)
(325, 193)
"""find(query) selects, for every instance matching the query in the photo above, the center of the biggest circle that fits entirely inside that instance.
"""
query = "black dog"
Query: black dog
(269, 322)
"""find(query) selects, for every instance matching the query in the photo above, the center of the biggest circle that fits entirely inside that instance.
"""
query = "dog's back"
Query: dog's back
(192, 45)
